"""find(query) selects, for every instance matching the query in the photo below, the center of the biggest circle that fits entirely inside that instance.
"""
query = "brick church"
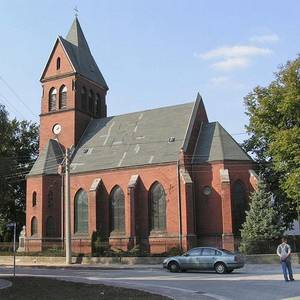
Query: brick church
(159, 178)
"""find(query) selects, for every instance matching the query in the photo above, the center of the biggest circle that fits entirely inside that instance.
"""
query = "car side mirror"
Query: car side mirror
(185, 254)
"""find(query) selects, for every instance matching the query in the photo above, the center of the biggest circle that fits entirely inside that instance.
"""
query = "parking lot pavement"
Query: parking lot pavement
(252, 282)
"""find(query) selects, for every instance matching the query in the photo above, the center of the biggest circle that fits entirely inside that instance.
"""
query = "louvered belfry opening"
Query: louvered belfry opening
(52, 99)
(63, 97)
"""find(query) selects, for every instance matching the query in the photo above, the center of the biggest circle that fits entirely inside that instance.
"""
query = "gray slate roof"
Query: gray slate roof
(80, 55)
(134, 139)
(48, 161)
(215, 144)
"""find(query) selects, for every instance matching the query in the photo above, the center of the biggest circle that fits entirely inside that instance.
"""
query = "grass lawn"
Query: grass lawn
(35, 288)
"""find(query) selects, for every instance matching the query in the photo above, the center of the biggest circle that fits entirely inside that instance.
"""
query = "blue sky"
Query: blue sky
(154, 53)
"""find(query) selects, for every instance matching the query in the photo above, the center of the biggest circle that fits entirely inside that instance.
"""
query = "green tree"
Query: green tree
(274, 125)
(18, 150)
(263, 223)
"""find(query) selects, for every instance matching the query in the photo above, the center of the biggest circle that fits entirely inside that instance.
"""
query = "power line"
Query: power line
(16, 95)
(5, 100)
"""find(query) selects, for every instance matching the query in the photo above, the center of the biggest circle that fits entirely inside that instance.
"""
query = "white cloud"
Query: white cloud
(235, 51)
(267, 38)
(225, 82)
(232, 63)
(220, 80)
(228, 58)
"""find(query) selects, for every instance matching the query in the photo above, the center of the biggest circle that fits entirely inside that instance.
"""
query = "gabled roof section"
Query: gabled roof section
(197, 117)
(49, 160)
(136, 139)
(216, 144)
(56, 44)
(80, 55)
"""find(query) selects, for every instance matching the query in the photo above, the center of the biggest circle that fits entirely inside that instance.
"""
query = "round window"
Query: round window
(207, 190)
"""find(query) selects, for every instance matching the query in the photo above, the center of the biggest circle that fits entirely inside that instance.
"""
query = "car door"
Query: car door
(208, 258)
(191, 259)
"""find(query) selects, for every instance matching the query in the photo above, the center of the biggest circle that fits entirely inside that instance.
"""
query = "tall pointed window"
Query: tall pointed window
(157, 207)
(81, 214)
(117, 210)
(98, 106)
(50, 227)
(91, 102)
(58, 63)
(63, 97)
(34, 199)
(50, 199)
(239, 206)
(34, 225)
(83, 99)
(52, 99)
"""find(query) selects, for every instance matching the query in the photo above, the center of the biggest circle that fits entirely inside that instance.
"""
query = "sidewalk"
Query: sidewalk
(89, 266)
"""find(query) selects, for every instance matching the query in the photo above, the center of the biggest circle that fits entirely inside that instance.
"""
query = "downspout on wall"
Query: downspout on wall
(179, 201)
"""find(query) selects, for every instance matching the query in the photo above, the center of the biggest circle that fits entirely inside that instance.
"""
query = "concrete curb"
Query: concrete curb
(43, 260)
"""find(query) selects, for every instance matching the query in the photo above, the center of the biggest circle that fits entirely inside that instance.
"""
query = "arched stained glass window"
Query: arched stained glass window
(117, 210)
(34, 226)
(91, 102)
(52, 99)
(83, 99)
(81, 214)
(34, 199)
(50, 227)
(239, 206)
(63, 97)
(157, 207)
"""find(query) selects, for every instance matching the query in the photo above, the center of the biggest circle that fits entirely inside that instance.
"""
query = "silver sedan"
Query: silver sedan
(205, 258)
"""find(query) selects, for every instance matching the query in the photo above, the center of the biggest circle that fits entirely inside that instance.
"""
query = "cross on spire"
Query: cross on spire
(76, 11)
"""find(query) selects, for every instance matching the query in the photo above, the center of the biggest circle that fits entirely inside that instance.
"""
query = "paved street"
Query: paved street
(252, 282)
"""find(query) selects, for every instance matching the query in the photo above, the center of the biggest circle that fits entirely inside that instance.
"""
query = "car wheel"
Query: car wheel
(220, 268)
(173, 267)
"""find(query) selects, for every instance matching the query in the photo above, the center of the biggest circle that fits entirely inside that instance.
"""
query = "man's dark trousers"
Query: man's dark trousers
(287, 268)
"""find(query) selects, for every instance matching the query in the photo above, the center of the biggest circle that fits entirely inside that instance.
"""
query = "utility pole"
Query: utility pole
(67, 210)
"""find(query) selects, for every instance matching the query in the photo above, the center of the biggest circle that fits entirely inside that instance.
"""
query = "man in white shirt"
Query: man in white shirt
(284, 252)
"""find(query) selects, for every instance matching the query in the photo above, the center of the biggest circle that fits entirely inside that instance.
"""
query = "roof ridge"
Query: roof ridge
(150, 109)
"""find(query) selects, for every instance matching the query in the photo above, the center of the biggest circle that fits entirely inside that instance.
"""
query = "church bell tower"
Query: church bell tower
(74, 90)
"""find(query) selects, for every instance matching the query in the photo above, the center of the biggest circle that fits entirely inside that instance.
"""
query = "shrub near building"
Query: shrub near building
(263, 225)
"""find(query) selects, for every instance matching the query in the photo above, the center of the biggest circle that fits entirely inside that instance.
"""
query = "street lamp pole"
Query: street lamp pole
(67, 210)
(15, 233)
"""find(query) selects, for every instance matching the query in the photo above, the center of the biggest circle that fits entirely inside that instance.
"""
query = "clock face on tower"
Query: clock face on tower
(56, 129)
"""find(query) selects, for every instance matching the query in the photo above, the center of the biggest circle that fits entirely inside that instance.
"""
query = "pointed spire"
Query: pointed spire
(199, 97)
(80, 55)
(76, 36)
